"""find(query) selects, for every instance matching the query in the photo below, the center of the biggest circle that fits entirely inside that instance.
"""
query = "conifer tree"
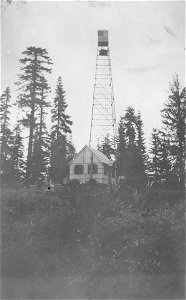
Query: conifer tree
(141, 152)
(140, 136)
(39, 159)
(60, 120)
(99, 146)
(40, 155)
(164, 157)
(106, 147)
(173, 117)
(58, 160)
(160, 170)
(17, 163)
(134, 166)
(130, 122)
(70, 149)
(122, 159)
(6, 135)
(43, 104)
(35, 64)
(5, 125)
(154, 165)
(130, 130)
(12, 162)
(61, 148)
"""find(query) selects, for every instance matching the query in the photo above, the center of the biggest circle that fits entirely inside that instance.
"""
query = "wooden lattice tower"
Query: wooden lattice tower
(103, 119)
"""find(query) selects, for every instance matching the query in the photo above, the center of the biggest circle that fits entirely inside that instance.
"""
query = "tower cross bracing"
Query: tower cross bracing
(103, 118)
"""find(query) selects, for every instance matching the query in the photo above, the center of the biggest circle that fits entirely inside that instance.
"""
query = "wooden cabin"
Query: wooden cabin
(92, 164)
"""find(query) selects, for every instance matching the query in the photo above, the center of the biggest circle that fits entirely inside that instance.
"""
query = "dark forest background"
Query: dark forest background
(50, 149)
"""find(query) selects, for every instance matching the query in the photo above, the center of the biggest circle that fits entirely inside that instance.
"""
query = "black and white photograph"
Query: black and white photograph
(92, 150)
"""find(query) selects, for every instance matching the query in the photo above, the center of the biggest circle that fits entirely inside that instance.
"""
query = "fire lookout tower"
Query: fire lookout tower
(103, 119)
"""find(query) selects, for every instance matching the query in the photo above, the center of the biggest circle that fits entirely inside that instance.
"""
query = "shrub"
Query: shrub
(74, 185)
(150, 243)
(93, 182)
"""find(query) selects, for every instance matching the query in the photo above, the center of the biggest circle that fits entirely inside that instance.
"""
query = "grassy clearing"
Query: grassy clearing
(92, 245)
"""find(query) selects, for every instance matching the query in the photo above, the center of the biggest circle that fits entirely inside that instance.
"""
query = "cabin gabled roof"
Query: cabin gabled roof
(101, 157)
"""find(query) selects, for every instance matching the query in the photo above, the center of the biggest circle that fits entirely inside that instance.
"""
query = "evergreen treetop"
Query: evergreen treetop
(60, 120)
(140, 135)
(173, 118)
(35, 65)
(129, 121)
(6, 134)
(61, 148)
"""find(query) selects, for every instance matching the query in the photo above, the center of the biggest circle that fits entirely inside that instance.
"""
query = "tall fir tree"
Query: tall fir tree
(130, 130)
(154, 164)
(35, 64)
(39, 159)
(40, 155)
(140, 141)
(106, 147)
(6, 135)
(43, 104)
(132, 150)
(173, 117)
(141, 152)
(5, 124)
(122, 159)
(58, 160)
(130, 123)
(160, 169)
(60, 120)
(12, 162)
(164, 158)
(61, 147)
(17, 162)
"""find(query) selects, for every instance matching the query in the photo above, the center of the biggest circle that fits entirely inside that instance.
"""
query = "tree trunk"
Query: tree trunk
(41, 119)
(32, 123)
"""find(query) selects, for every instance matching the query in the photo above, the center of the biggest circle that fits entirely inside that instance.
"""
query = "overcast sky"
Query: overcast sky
(146, 46)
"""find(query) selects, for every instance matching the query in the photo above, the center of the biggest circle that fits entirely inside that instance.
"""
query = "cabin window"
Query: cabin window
(103, 52)
(78, 169)
(94, 169)
(106, 169)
